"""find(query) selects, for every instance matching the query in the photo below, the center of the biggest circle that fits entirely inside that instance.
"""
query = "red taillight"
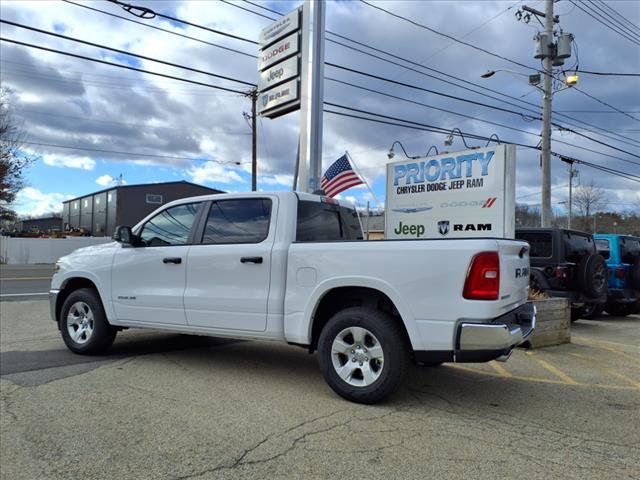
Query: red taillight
(483, 278)
(620, 273)
(561, 272)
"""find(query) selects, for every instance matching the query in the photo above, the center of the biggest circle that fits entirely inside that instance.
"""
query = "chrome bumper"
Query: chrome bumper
(487, 341)
(53, 300)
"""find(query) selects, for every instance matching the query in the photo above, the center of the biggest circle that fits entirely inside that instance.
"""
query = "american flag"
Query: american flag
(339, 177)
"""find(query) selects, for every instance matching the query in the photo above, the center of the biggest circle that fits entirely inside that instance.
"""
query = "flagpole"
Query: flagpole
(364, 180)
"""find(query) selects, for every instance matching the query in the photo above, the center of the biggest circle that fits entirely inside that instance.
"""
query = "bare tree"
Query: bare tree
(589, 199)
(13, 159)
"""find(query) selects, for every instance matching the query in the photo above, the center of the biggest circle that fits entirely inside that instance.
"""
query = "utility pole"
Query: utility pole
(572, 173)
(547, 66)
(253, 95)
(553, 54)
(254, 141)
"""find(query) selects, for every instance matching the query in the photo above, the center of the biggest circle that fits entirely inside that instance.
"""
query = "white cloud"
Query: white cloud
(31, 201)
(107, 180)
(214, 172)
(84, 163)
(286, 180)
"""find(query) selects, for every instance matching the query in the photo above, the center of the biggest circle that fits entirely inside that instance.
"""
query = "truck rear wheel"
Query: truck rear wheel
(619, 309)
(363, 354)
(83, 323)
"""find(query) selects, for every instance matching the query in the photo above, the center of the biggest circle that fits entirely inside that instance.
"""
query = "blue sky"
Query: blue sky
(66, 101)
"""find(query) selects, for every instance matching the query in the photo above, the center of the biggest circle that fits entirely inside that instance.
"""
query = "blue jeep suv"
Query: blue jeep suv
(622, 253)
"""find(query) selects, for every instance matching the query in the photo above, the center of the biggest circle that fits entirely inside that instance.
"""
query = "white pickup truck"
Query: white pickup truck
(293, 267)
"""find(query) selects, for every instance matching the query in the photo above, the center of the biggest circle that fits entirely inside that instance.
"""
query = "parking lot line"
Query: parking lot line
(500, 369)
(599, 345)
(543, 380)
(557, 372)
(611, 372)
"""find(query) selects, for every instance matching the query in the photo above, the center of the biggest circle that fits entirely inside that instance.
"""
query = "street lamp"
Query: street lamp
(392, 153)
(534, 80)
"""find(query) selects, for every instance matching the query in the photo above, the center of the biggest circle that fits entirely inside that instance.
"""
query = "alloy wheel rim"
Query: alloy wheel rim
(357, 356)
(80, 322)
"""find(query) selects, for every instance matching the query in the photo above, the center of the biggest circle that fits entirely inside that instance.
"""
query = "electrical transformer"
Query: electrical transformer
(564, 45)
(543, 45)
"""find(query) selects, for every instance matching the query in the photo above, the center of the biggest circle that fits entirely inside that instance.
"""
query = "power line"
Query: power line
(450, 37)
(619, 16)
(111, 85)
(604, 14)
(608, 74)
(470, 89)
(415, 102)
(240, 52)
(117, 152)
(248, 10)
(147, 10)
(605, 103)
(395, 121)
(263, 7)
(137, 125)
(127, 67)
(602, 22)
(125, 52)
(416, 87)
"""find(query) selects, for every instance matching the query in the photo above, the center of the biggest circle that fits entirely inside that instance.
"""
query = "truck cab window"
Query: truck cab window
(170, 227)
(322, 222)
(238, 221)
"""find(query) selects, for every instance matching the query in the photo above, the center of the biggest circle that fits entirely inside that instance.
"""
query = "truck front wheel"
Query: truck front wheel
(83, 323)
(363, 354)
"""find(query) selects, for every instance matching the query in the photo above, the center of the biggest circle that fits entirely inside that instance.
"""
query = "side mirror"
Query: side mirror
(123, 234)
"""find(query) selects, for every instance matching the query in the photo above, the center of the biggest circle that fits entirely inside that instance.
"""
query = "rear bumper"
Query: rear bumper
(481, 342)
(623, 295)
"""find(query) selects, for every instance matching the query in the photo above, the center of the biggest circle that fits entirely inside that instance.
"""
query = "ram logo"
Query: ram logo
(443, 227)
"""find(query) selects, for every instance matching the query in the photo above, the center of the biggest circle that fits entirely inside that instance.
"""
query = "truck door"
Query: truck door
(229, 266)
(148, 281)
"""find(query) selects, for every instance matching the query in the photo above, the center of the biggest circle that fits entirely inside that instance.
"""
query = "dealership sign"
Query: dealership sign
(279, 66)
(454, 195)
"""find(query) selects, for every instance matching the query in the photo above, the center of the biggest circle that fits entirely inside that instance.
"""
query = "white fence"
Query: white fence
(14, 251)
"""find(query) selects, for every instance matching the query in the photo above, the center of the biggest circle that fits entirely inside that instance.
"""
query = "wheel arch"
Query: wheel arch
(69, 286)
(335, 297)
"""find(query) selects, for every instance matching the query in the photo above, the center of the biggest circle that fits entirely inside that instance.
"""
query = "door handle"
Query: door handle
(176, 260)
(251, 259)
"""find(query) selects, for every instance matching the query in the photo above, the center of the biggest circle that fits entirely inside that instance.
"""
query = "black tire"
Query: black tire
(591, 311)
(93, 333)
(577, 313)
(591, 276)
(384, 331)
(619, 309)
(635, 274)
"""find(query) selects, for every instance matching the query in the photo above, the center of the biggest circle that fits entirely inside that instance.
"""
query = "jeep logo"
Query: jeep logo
(522, 272)
(415, 230)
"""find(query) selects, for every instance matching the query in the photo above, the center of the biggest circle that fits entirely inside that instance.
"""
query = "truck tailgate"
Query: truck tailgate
(514, 272)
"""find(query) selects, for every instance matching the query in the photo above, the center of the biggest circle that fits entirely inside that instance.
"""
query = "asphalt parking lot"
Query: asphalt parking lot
(165, 406)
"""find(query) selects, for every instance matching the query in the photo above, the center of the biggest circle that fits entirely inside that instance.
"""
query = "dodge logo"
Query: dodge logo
(443, 227)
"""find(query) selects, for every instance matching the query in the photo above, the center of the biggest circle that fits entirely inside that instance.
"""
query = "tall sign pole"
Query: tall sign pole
(546, 217)
(312, 95)
(291, 71)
